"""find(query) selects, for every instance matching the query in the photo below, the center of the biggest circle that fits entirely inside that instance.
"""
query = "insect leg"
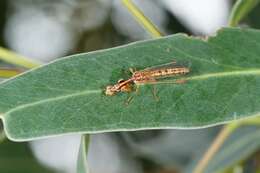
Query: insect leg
(129, 99)
(155, 93)
(132, 70)
(137, 89)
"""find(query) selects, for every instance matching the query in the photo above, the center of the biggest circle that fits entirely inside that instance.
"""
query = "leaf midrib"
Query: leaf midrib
(86, 92)
(81, 93)
(224, 74)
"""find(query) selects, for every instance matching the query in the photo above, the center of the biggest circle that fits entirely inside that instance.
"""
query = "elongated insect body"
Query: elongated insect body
(149, 75)
(152, 75)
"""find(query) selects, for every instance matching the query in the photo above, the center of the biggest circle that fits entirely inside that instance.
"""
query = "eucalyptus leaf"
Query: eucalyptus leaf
(239, 146)
(242, 143)
(241, 10)
(82, 166)
(67, 95)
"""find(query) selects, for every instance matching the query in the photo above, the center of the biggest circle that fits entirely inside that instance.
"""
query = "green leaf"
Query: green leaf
(67, 96)
(239, 146)
(82, 166)
(241, 10)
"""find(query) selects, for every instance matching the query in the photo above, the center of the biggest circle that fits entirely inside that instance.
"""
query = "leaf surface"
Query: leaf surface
(66, 96)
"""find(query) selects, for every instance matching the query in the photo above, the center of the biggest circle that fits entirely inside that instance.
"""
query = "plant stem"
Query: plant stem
(2, 136)
(140, 17)
(217, 143)
(13, 58)
(9, 72)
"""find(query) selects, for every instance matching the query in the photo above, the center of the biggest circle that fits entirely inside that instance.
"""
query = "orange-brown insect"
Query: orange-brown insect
(146, 76)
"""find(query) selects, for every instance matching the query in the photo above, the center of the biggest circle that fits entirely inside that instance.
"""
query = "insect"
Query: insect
(147, 76)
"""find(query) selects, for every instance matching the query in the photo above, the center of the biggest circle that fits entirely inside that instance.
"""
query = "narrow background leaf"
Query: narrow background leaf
(238, 147)
(241, 10)
(82, 166)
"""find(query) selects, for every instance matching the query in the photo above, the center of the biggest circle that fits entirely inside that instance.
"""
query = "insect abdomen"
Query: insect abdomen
(169, 72)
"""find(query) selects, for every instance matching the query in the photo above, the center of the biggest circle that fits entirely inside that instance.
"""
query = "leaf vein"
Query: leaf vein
(86, 92)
